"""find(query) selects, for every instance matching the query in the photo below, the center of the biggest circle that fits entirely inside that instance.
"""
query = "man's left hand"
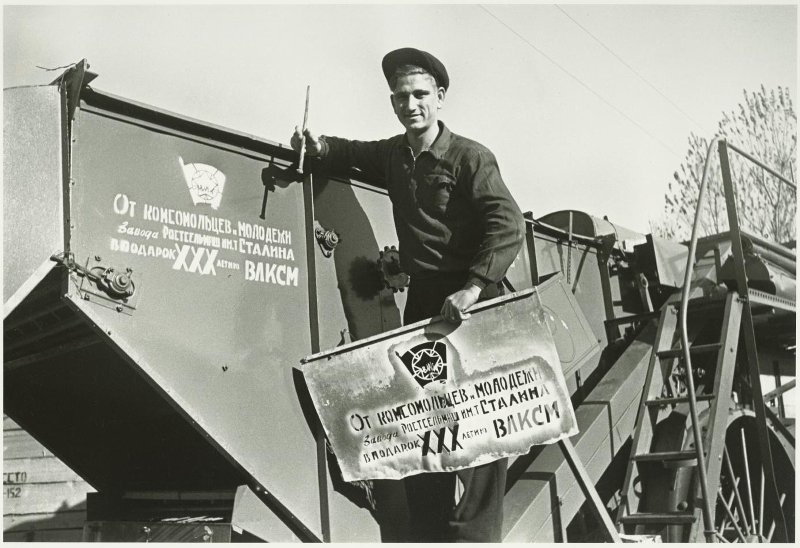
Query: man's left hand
(455, 306)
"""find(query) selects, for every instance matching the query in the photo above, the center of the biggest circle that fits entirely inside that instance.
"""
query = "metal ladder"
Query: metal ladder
(669, 323)
(737, 314)
(653, 402)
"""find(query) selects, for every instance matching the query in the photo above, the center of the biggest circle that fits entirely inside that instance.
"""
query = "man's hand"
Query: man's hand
(313, 146)
(455, 306)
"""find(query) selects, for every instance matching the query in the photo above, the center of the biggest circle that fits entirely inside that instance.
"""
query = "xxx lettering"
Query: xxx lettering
(441, 441)
(196, 264)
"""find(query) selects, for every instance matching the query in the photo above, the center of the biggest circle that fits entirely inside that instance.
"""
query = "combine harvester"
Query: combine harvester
(163, 279)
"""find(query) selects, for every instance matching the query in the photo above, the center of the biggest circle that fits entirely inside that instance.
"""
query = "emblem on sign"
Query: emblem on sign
(427, 362)
(205, 183)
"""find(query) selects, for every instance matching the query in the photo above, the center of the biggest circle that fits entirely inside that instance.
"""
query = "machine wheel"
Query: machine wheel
(740, 514)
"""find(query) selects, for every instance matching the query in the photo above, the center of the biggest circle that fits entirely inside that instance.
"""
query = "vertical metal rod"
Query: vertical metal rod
(777, 373)
(708, 520)
(749, 484)
(569, 250)
(761, 508)
(772, 527)
(303, 134)
(313, 322)
(757, 395)
(739, 503)
(530, 239)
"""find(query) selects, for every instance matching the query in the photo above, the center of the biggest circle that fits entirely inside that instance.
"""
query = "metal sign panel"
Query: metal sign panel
(221, 309)
(438, 397)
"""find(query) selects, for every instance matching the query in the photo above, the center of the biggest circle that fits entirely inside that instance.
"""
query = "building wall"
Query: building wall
(43, 499)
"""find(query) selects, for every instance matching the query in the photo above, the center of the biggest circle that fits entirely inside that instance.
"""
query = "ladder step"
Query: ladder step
(667, 518)
(697, 302)
(694, 349)
(680, 399)
(634, 318)
(665, 456)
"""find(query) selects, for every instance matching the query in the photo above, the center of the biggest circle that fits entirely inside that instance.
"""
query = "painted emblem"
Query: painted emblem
(205, 183)
(427, 362)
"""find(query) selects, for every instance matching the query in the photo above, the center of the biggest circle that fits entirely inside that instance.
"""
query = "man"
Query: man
(459, 229)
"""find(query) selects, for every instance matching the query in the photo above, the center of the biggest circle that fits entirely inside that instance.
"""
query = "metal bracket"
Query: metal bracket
(327, 239)
(73, 81)
(110, 287)
(389, 266)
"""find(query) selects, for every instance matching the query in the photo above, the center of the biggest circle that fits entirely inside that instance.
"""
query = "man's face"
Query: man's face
(416, 102)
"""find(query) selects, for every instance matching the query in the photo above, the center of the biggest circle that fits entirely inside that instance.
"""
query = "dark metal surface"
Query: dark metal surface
(148, 531)
(350, 292)
(762, 275)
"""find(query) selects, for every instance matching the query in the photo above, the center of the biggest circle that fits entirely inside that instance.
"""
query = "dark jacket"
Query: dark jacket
(452, 211)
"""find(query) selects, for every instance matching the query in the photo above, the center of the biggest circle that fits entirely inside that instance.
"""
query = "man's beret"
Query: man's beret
(419, 58)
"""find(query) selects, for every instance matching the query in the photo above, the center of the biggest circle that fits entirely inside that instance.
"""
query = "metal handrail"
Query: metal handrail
(762, 165)
(709, 530)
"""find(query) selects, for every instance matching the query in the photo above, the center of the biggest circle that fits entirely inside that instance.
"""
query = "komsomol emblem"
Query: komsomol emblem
(205, 183)
(427, 362)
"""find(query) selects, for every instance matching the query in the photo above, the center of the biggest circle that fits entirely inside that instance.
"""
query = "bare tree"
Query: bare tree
(765, 125)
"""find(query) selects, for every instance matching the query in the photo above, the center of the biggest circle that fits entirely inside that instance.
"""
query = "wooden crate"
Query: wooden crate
(43, 499)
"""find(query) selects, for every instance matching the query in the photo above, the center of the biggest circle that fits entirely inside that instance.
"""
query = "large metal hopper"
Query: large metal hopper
(160, 283)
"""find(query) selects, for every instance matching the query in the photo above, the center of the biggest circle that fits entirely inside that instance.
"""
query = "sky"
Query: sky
(586, 107)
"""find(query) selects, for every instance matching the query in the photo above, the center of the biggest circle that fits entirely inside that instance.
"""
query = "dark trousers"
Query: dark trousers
(478, 516)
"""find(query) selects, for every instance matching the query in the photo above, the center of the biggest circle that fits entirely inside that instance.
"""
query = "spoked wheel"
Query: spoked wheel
(739, 511)
(741, 515)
